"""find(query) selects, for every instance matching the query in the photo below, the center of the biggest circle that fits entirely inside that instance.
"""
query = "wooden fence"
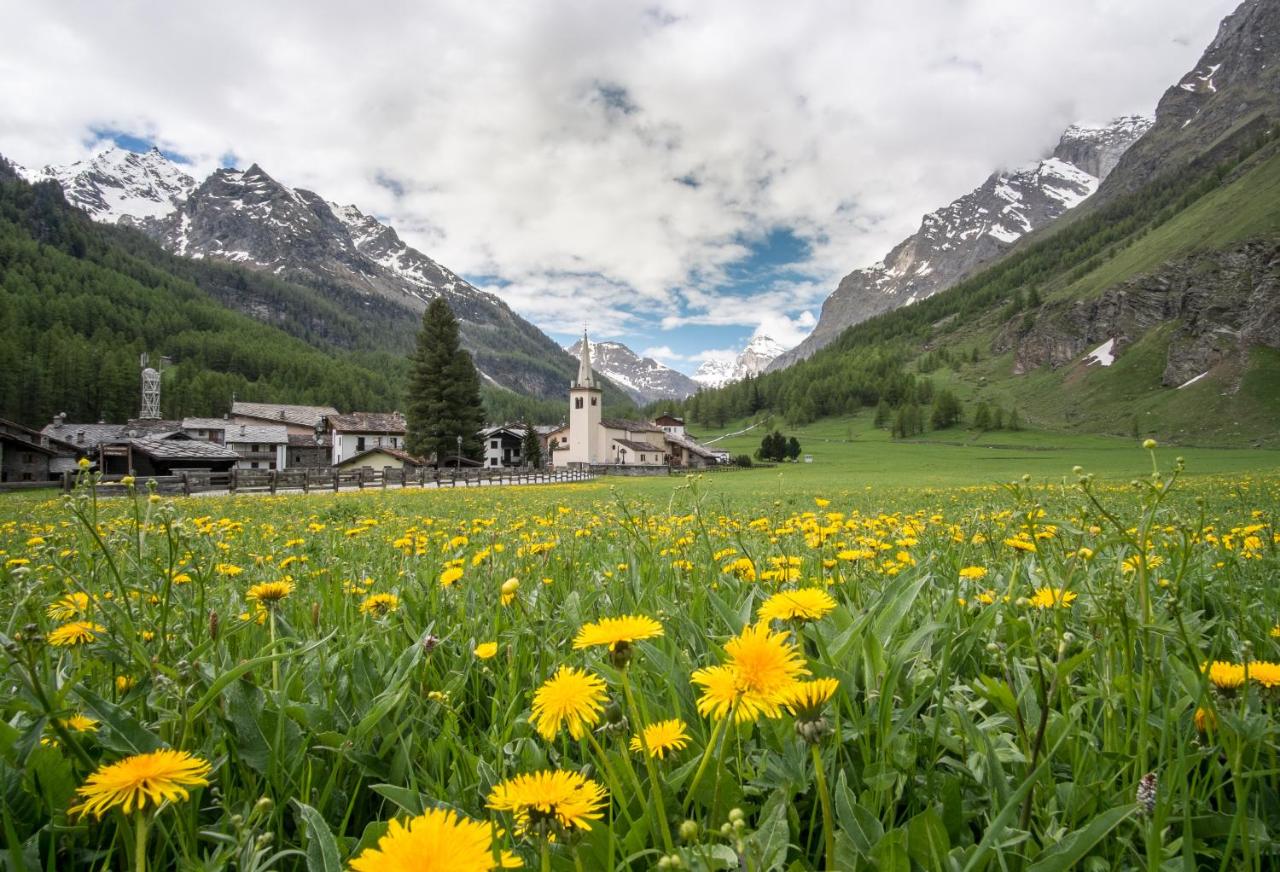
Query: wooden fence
(241, 481)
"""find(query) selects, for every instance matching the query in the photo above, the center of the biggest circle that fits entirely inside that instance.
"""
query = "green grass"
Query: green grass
(850, 453)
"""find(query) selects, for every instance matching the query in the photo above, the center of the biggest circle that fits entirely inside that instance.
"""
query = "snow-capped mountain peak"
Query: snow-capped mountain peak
(752, 360)
(117, 185)
(956, 240)
(643, 378)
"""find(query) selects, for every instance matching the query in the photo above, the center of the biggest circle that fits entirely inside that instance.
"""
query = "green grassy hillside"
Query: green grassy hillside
(962, 343)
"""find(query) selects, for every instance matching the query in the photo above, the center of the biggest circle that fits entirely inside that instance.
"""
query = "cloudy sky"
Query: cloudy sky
(675, 175)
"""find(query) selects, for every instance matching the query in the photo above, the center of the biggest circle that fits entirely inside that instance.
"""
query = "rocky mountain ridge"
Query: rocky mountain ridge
(752, 360)
(643, 378)
(249, 218)
(972, 231)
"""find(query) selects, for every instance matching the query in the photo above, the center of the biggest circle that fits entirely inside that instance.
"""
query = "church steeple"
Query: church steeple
(584, 364)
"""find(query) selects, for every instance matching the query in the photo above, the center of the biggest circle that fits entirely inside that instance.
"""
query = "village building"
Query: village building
(503, 446)
(170, 455)
(382, 458)
(260, 446)
(29, 455)
(589, 439)
(357, 432)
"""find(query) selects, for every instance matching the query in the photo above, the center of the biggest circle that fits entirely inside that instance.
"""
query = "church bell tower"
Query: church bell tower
(584, 412)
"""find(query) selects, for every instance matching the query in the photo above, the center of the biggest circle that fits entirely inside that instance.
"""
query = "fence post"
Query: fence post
(336, 475)
(186, 485)
(271, 480)
(306, 479)
(235, 479)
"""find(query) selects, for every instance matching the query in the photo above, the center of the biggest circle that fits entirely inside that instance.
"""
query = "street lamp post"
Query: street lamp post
(457, 458)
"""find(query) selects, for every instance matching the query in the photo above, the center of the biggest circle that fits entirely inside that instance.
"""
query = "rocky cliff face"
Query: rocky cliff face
(958, 239)
(643, 378)
(1236, 81)
(1220, 304)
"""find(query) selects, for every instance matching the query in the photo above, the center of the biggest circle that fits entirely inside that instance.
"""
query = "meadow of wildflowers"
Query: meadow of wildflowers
(1031, 677)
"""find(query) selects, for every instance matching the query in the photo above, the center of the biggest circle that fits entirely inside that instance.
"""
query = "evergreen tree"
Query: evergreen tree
(982, 417)
(793, 448)
(1015, 423)
(531, 447)
(946, 411)
(444, 389)
(883, 413)
(997, 418)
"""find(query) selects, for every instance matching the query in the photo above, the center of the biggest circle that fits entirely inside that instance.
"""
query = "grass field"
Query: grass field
(882, 660)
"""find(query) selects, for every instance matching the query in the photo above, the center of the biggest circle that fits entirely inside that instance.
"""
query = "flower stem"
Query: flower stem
(546, 854)
(828, 823)
(275, 664)
(140, 843)
(706, 758)
(654, 784)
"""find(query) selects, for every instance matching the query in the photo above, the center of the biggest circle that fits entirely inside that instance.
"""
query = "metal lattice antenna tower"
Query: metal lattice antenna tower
(150, 390)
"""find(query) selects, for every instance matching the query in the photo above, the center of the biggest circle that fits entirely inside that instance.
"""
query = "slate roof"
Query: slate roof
(302, 416)
(206, 423)
(182, 449)
(239, 433)
(30, 439)
(89, 436)
(300, 440)
(690, 445)
(368, 422)
(638, 446)
(630, 426)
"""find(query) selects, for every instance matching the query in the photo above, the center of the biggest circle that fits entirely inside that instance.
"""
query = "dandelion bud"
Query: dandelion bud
(1068, 637)
(1077, 470)
(264, 805)
(613, 712)
(213, 625)
(664, 863)
(1147, 787)
(993, 648)
(237, 821)
(620, 655)
(1205, 720)
(1149, 444)
(735, 815)
(689, 830)
(315, 616)
(429, 642)
(726, 829)
(263, 841)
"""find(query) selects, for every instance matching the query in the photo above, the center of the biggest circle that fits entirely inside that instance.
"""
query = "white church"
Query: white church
(589, 439)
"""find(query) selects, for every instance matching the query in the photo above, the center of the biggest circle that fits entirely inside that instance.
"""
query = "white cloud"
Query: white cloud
(604, 159)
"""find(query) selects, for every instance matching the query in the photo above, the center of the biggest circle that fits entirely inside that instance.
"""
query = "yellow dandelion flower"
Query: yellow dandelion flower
(1048, 597)
(806, 699)
(486, 650)
(125, 683)
(806, 604)
(69, 606)
(80, 723)
(974, 573)
(662, 737)
(509, 589)
(617, 631)
(1224, 675)
(379, 604)
(438, 839)
(450, 575)
(572, 698)
(1205, 720)
(1021, 544)
(762, 668)
(565, 799)
(1265, 672)
(135, 781)
(75, 633)
(228, 569)
(268, 593)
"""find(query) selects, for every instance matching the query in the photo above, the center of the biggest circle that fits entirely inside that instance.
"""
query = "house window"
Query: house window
(493, 461)
(642, 458)
(593, 401)
(493, 443)
(577, 402)
(253, 465)
(359, 443)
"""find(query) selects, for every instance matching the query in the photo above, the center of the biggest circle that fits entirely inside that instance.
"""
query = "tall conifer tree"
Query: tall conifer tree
(444, 389)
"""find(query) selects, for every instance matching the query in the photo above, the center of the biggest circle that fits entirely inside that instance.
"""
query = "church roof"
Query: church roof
(636, 446)
(630, 426)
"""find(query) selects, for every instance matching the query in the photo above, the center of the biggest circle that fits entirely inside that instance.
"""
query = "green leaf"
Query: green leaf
(123, 733)
(248, 666)
(322, 849)
(861, 826)
(927, 839)
(772, 836)
(406, 799)
(890, 853)
(1077, 844)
